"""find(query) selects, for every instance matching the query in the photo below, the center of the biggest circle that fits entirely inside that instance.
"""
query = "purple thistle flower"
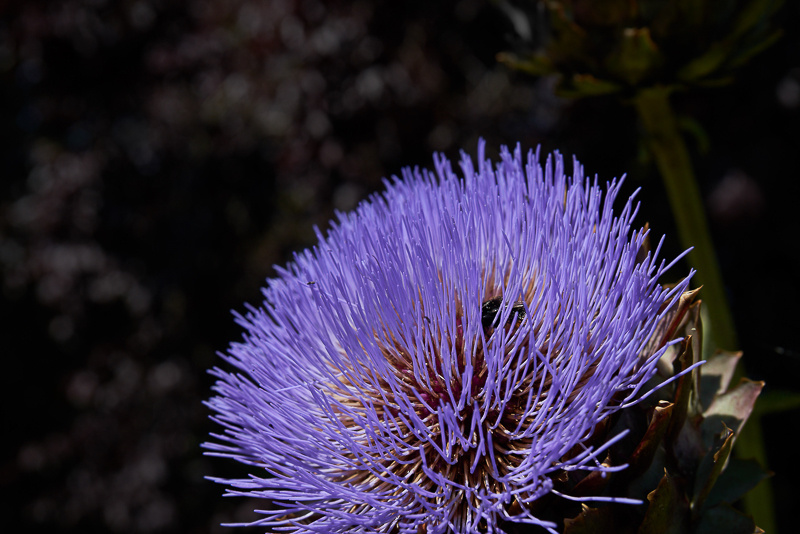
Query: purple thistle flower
(429, 365)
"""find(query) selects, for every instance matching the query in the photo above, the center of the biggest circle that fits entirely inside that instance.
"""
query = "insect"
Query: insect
(492, 307)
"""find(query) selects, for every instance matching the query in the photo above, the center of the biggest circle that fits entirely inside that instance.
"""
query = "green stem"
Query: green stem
(674, 163)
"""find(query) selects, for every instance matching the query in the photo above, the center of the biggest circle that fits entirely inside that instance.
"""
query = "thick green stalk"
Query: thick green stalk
(672, 158)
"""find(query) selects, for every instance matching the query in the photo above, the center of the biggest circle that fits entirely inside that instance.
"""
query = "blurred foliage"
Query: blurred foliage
(616, 46)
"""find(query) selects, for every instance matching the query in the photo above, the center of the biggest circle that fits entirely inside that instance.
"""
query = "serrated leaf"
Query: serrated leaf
(716, 374)
(667, 510)
(732, 409)
(710, 468)
(724, 519)
(737, 479)
(591, 521)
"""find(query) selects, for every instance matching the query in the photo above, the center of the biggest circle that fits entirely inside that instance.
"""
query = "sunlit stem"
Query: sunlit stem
(672, 158)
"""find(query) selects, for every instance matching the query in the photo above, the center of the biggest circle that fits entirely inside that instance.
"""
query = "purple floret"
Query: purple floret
(429, 365)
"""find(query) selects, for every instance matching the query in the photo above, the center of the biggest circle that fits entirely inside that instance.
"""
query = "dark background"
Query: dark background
(157, 157)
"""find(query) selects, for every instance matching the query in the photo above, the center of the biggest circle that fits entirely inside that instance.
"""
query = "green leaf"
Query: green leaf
(667, 511)
(716, 374)
(710, 468)
(724, 519)
(737, 479)
(732, 409)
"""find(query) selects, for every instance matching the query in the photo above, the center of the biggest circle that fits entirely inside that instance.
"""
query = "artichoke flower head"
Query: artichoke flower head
(480, 353)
